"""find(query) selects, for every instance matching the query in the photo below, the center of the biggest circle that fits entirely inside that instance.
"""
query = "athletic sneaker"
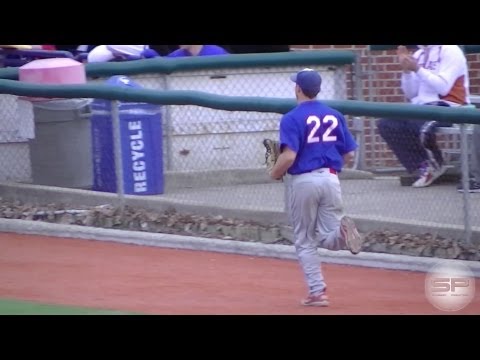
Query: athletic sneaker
(317, 299)
(428, 174)
(474, 187)
(350, 234)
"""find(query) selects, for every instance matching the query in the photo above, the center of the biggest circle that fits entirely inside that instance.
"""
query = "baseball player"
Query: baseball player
(314, 143)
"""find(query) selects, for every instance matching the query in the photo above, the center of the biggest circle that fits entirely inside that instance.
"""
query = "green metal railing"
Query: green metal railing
(275, 105)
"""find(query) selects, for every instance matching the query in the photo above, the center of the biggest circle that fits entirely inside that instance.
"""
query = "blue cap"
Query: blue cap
(308, 80)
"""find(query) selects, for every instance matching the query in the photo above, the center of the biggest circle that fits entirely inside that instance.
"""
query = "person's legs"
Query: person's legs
(304, 203)
(428, 139)
(403, 138)
(434, 167)
(330, 213)
(336, 231)
(318, 221)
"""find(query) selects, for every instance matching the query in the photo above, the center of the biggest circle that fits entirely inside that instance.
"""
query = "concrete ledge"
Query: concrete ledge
(384, 261)
(42, 194)
(375, 223)
(212, 178)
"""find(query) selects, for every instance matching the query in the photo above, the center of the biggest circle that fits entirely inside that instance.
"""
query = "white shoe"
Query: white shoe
(428, 174)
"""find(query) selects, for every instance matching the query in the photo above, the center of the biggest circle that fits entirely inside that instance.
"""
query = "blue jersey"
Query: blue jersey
(318, 134)
(206, 51)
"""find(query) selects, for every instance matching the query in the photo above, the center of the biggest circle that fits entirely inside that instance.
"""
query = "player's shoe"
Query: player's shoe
(350, 234)
(317, 299)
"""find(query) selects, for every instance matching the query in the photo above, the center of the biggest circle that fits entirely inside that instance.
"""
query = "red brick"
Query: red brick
(393, 67)
(387, 91)
(386, 75)
(392, 83)
(474, 65)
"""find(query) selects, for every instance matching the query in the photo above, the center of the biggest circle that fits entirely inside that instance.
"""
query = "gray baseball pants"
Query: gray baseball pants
(315, 207)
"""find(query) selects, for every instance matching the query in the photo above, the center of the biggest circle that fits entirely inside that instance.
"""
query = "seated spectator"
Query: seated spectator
(198, 50)
(435, 75)
(105, 53)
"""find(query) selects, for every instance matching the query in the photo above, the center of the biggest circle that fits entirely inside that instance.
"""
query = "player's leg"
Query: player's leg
(287, 181)
(330, 213)
(336, 231)
(304, 209)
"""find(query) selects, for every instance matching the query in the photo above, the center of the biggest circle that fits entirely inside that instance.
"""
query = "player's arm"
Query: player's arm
(410, 85)
(348, 157)
(289, 143)
(284, 162)
(450, 69)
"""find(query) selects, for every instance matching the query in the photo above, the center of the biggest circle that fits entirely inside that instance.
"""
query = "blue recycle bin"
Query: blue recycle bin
(141, 144)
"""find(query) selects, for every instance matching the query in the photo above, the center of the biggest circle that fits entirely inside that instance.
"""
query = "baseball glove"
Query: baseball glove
(272, 152)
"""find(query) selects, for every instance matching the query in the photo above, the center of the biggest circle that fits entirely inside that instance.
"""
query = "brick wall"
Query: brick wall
(383, 85)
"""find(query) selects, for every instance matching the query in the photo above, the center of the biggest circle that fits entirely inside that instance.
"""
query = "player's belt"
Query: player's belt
(332, 171)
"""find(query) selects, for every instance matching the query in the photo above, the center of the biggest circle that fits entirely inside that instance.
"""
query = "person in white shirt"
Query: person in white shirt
(105, 53)
(434, 75)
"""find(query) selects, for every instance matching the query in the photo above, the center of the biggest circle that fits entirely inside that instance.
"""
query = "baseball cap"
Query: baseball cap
(308, 80)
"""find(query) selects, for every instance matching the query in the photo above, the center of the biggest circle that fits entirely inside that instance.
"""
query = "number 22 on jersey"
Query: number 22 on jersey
(314, 136)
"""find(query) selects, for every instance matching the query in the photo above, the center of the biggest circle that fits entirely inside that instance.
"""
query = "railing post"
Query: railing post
(465, 181)
(359, 120)
(117, 150)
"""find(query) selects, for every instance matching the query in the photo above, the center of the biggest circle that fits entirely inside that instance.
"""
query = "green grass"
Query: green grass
(14, 307)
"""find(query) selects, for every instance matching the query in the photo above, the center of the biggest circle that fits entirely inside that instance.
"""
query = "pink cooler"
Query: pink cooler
(55, 71)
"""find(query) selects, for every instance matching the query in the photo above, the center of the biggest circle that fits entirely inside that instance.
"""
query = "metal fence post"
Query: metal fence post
(168, 130)
(360, 121)
(465, 181)
(371, 97)
(117, 150)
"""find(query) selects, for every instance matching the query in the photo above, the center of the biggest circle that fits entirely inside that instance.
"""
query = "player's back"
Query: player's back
(322, 137)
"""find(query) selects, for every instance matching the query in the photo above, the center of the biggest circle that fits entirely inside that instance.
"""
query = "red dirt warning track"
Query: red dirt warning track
(165, 281)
